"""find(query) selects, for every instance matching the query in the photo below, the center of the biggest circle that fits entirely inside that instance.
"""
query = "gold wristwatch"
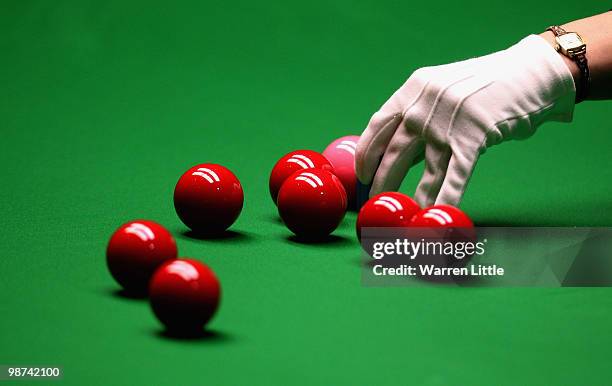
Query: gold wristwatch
(571, 45)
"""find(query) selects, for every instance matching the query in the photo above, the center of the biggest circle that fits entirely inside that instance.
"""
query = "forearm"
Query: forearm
(597, 34)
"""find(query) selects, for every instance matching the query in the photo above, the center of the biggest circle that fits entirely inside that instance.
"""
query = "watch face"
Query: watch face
(569, 41)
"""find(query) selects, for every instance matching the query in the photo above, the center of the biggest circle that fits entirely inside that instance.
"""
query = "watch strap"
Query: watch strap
(581, 61)
(555, 29)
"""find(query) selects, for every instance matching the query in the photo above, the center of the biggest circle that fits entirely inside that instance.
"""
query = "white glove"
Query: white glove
(451, 113)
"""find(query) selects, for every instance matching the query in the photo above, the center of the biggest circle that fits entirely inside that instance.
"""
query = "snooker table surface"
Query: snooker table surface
(105, 104)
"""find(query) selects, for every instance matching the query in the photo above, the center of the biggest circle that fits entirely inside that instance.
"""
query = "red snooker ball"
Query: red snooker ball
(135, 250)
(341, 154)
(312, 203)
(441, 216)
(293, 162)
(208, 198)
(386, 210)
(184, 295)
(444, 223)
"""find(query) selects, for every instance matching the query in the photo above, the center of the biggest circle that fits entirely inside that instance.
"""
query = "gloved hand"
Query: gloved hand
(450, 114)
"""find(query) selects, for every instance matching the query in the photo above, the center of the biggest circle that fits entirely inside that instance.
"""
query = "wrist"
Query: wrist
(571, 65)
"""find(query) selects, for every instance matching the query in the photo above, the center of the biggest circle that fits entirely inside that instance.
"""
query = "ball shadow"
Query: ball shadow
(494, 223)
(323, 240)
(122, 294)
(225, 235)
(204, 335)
(274, 219)
(359, 261)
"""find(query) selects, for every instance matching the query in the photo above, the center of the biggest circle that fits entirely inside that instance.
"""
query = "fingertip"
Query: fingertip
(363, 175)
(423, 200)
(374, 190)
(460, 170)
(364, 178)
(448, 196)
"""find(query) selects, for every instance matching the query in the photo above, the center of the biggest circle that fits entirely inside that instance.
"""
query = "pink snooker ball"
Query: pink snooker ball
(341, 154)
